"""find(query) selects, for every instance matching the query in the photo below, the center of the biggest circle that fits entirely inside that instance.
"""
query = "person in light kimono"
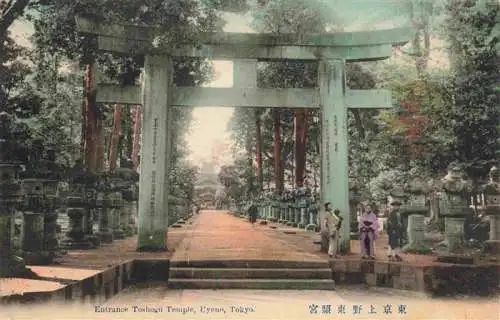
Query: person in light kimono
(334, 221)
(368, 232)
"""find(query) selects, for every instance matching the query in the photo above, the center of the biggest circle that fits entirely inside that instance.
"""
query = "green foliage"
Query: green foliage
(385, 182)
(475, 113)
(182, 178)
(423, 250)
(235, 178)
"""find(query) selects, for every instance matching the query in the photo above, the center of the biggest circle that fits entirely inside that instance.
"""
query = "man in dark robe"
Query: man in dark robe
(395, 231)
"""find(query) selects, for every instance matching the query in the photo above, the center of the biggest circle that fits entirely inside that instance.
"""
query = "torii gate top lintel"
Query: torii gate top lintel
(350, 46)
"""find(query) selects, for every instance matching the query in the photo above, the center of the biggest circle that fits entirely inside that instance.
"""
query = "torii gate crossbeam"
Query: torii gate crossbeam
(158, 93)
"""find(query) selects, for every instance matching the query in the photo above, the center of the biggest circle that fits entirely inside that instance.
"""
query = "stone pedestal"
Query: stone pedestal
(454, 232)
(292, 220)
(493, 244)
(492, 209)
(296, 219)
(495, 228)
(416, 230)
(454, 210)
(130, 208)
(10, 264)
(77, 238)
(50, 242)
(283, 209)
(32, 239)
(104, 233)
(16, 233)
(303, 222)
(313, 217)
(118, 232)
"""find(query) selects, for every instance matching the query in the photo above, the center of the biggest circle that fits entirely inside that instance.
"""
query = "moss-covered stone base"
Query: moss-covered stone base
(152, 241)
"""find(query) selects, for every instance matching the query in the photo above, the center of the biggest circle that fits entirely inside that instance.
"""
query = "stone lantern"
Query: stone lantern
(115, 203)
(118, 216)
(77, 236)
(32, 227)
(492, 209)
(129, 179)
(275, 205)
(93, 184)
(354, 201)
(105, 233)
(454, 206)
(10, 200)
(302, 201)
(283, 207)
(414, 211)
(39, 227)
(295, 212)
(51, 200)
(313, 212)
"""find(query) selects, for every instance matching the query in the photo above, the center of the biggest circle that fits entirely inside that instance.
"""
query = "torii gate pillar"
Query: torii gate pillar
(155, 153)
(334, 144)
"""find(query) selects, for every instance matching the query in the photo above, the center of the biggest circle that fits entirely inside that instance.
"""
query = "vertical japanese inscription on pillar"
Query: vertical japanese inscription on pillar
(327, 150)
(155, 139)
(152, 205)
(335, 129)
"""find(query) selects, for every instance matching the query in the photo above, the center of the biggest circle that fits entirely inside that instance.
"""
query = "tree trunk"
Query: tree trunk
(260, 175)
(100, 155)
(278, 172)
(136, 136)
(83, 134)
(427, 49)
(115, 137)
(300, 126)
(90, 122)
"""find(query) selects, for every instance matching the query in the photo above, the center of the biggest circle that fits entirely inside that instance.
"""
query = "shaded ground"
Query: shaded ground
(119, 251)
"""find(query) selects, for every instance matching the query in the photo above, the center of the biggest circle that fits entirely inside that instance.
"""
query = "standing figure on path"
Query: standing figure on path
(322, 223)
(368, 232)
(252, 212)
(334, 222)
(395, 230)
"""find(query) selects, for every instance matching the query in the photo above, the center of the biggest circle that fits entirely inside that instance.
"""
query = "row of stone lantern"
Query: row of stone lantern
(294, 208)
(11, 199)
(39, 181)
(110, 197)
(455, 190)
(33, 192)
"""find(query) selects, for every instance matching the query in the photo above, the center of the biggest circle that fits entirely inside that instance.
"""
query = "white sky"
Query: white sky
(208, 132)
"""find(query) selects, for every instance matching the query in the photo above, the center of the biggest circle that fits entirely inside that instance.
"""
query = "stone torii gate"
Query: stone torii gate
(157, 94)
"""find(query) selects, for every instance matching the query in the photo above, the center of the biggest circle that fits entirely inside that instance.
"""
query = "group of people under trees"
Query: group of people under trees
(330, 223)
(369, 229)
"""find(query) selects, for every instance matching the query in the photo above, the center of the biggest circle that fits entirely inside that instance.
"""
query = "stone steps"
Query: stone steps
(268, 284)
(251, 274)
(267, 264)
